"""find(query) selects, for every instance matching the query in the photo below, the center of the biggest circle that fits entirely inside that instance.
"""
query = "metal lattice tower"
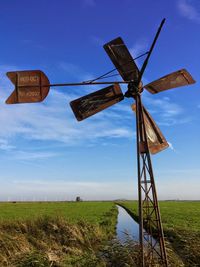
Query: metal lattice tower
(150, 227)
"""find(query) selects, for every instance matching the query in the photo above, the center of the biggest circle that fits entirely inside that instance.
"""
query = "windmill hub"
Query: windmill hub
(134, 89)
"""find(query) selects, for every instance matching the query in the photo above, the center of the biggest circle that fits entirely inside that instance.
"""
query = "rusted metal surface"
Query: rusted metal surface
(30, 86)
(175, 79)
(122, 59)
(87, 83)
(155, 138)
(91, 104)
(151, 235)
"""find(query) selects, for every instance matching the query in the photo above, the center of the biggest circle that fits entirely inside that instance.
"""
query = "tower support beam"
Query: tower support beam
(151, 237)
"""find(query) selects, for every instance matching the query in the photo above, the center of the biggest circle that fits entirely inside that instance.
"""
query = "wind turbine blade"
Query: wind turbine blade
(122, 59)
(93, 103)
(172, 80)
(155, 138)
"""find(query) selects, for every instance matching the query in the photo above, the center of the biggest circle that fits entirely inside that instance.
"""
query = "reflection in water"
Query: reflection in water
(126, 225)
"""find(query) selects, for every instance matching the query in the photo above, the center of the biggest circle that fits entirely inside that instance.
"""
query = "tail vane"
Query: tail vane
(30, 86)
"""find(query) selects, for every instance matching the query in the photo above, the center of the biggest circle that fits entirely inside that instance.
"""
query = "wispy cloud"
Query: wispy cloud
(98, 41)
(53, 120)
(26, 155)
(188, 10)
(62, 190)
(179, 188)
(4, 145)
(170, 145)
(140, 47)
(77, 74)
(87, 190)
(166, 111)
(170, 109)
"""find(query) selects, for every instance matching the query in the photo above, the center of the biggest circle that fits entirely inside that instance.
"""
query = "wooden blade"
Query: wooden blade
(30, 86)
(122, 59)
(155, 138)
(89, 105)
(175, 79)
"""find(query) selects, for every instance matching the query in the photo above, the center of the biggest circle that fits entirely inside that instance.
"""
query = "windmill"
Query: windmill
(33, 86)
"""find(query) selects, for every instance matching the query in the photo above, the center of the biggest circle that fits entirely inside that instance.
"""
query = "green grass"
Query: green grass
(55, 233)
(181, 227)
(183, 215)
(92, 212)
(33, 230)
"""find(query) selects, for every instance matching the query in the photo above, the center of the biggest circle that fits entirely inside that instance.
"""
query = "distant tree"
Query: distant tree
(78, 199)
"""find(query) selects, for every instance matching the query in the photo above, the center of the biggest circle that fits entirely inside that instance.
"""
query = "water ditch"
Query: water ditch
(127, 227)
(127, 230)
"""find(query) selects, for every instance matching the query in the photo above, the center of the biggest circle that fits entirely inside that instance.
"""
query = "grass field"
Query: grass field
(71, 233)
(182, 215)
(181, 227)
(55, 234)
(92, 212)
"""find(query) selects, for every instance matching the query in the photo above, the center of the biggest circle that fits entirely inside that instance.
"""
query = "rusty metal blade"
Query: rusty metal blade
(175, 79)
(122, 59)
(91, 104)
(155, 138)
(30, 86)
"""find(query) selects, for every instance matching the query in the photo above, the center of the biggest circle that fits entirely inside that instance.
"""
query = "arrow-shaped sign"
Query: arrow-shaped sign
(30, 86)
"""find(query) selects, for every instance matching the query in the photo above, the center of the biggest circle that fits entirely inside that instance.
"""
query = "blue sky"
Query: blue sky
(45, 153)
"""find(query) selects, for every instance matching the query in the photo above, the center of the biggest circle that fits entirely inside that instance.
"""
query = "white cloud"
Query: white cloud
(173, 187)
(140, 47)
(4, 145)
(26, 155)
(70, 68)
(98, 41)
(166, 111)
(53, 119)
(115, 133)
(61, 190)
(78, 75)
(168, 188)
(170, 145)
(188, 10)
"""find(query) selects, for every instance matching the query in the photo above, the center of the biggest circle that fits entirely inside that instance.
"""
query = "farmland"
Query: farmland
(181, 227)
(78, 233)
(55, 233)
(92, 212)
